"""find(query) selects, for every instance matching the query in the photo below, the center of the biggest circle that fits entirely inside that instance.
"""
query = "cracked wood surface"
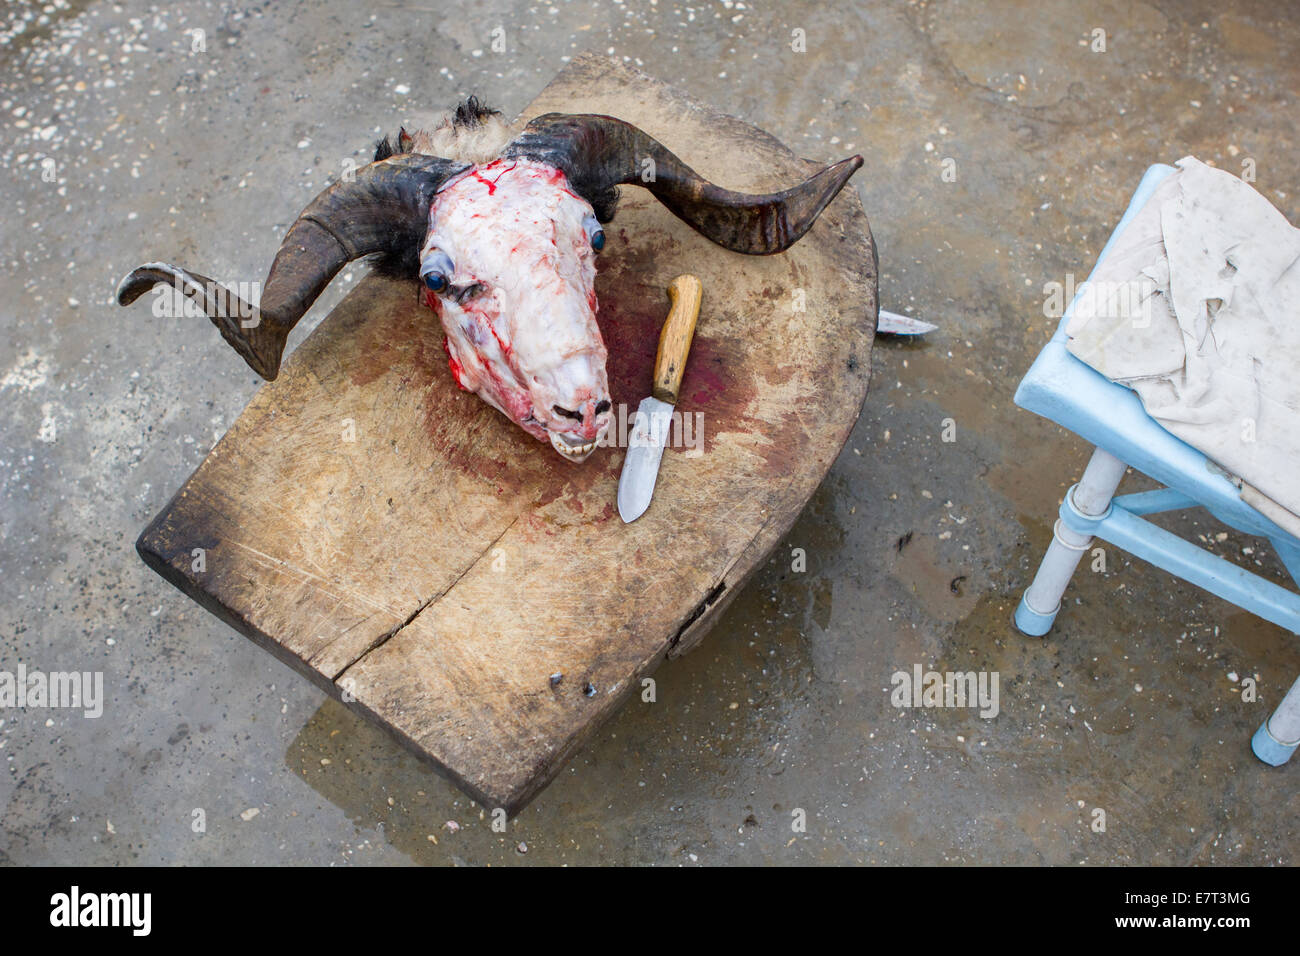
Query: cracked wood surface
(435, 571)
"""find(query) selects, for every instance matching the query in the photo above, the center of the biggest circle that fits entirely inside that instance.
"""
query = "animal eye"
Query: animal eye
(468, 292)
(595, 234)
(436, 269)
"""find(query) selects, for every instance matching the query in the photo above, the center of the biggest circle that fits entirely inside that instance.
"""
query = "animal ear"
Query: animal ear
(404, 140)
(383, 209)
(597, 153)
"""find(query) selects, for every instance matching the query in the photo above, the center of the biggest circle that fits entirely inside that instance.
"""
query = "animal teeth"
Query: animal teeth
(571, 451)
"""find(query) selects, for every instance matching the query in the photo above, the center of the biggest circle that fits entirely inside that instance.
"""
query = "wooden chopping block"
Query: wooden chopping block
(418, 556)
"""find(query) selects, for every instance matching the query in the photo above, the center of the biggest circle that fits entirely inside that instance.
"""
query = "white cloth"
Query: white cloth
(1195, 308)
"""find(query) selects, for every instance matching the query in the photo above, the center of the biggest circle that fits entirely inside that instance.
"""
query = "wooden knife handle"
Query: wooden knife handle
(675, 340)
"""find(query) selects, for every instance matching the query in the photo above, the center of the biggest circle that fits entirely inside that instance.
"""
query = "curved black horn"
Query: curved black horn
(384, 208)
(599, 152)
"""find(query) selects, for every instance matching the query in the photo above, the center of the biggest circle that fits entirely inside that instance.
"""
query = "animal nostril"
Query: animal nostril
(602, 406)
(567, 413)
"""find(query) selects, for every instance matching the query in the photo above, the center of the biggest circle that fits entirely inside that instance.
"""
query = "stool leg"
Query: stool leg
(1279, 735)
(1092, 496)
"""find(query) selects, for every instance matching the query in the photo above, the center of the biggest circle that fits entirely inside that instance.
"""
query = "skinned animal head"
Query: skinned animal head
(509, 266)
(504, 241)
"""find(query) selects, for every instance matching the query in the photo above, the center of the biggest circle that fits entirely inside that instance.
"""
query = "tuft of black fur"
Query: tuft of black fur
(470, 114)
(400, 263)
(384, 148)
(603, 204)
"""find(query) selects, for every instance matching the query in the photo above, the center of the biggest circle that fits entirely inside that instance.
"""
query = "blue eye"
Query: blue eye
(595, 235)
(436, 269)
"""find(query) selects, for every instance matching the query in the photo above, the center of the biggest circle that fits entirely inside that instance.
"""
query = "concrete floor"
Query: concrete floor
(1132, 706)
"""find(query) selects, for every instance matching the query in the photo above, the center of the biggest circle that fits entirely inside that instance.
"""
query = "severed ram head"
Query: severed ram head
(503, 233)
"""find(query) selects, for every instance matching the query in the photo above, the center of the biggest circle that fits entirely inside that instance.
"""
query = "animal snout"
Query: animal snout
(589, 414)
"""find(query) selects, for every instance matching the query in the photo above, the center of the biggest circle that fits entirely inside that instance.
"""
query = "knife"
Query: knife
(891, 323)
(645, 446)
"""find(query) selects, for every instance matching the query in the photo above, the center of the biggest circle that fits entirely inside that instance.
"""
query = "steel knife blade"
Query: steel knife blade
(891, 323)
(649, 432)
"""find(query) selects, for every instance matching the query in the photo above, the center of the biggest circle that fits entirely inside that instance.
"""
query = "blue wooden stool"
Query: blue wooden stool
(1110, 416)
